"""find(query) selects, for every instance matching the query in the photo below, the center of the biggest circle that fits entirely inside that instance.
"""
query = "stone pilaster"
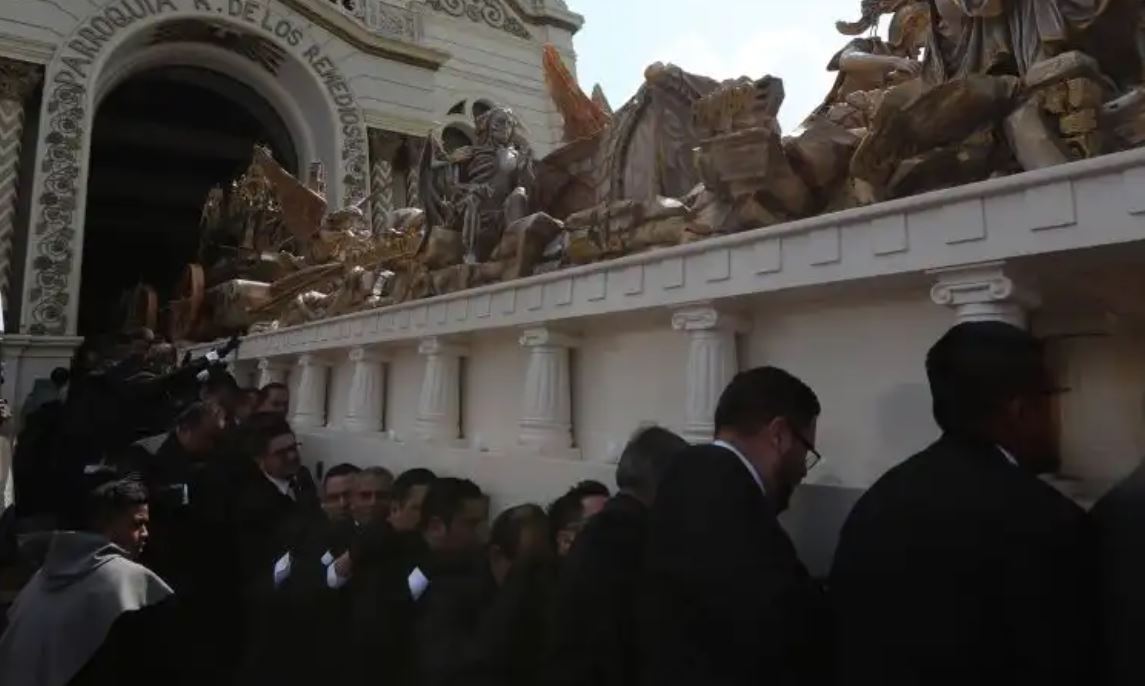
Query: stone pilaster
(367, 392)
(309, 410)
(712, 362)
(439, 405)
(413, 174)
(984, 292)
(17, 79)
(384, 146)
(271, 371)
(546, 406)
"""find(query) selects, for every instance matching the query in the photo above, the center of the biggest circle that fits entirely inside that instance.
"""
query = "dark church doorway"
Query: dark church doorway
(161, 141)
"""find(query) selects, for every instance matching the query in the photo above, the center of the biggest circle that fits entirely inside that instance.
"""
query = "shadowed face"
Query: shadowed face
(281, 459)
(371, 497)
(128, 530)
(500, 128)
(405, 515)
(336, 492)
(277, 401)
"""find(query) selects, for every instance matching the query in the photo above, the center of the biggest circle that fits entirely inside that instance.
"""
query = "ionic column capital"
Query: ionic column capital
(368, 355)
(543, 336)
(312, 360)
(270, 363)
(436, 345)
(17, 79)
(705, 316)
(984, 292)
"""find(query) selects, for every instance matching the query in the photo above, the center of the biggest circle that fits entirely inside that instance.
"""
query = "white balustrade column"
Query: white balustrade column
(546, 407)
(367, 392)
(271, 371)
(310, 401)
(712, 362)
(984, 292)
(439, 405)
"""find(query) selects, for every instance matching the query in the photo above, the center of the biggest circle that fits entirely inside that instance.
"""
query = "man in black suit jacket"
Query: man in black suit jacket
(1119, 522)
(959, 566)
(728, 601)
(595, 629)
(280, 532)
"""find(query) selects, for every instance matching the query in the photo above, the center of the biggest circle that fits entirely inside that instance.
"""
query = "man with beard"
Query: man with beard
(727, 601)
(960, 566)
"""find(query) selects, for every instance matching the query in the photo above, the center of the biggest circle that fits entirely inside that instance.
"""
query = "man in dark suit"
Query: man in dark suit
(281, 545)
(485, 625)
(595, 629)
(960, 566)
(1119, 522)
(728, 601)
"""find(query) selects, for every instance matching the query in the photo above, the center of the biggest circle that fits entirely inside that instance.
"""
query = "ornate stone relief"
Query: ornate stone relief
(383, 18)
(17, 80)
(490, 12)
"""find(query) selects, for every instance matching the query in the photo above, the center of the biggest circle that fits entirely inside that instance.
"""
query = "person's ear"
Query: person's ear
(778, 431)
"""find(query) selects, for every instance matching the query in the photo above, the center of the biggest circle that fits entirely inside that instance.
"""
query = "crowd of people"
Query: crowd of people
(207, 554)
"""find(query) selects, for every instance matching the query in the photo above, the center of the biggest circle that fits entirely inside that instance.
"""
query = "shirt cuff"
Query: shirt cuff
(333, 580)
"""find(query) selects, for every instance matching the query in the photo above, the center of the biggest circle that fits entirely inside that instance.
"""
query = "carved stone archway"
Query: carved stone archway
(121, 36)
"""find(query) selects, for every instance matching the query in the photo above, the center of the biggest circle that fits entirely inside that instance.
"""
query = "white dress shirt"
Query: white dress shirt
(747, 465)
(1006, 454)
(282, 485)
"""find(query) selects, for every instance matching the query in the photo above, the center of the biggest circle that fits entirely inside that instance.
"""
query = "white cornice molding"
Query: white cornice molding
(376, 119)
(26, 50)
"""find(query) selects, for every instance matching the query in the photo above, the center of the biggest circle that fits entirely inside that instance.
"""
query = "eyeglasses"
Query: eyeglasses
(813, 457)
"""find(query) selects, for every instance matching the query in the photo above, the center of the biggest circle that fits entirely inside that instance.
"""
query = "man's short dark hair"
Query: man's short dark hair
(508, 526)
(60, 377)
(569, 508)
(112, 499)
(589, 487)
(265, 391)
(378, 471)
(219, 380)
(405, 483)
(193, 417)
(646, 458)
(258, 431)
(756, 397)
(344, 469)
(445, 499)
(976, 367)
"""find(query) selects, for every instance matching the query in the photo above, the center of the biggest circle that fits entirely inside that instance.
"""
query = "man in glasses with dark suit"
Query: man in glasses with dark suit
(960, 565)
(727, 599)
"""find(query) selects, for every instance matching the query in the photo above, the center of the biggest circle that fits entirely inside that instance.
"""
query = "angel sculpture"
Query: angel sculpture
(317, 237)
(867, 66)
(481, 189)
